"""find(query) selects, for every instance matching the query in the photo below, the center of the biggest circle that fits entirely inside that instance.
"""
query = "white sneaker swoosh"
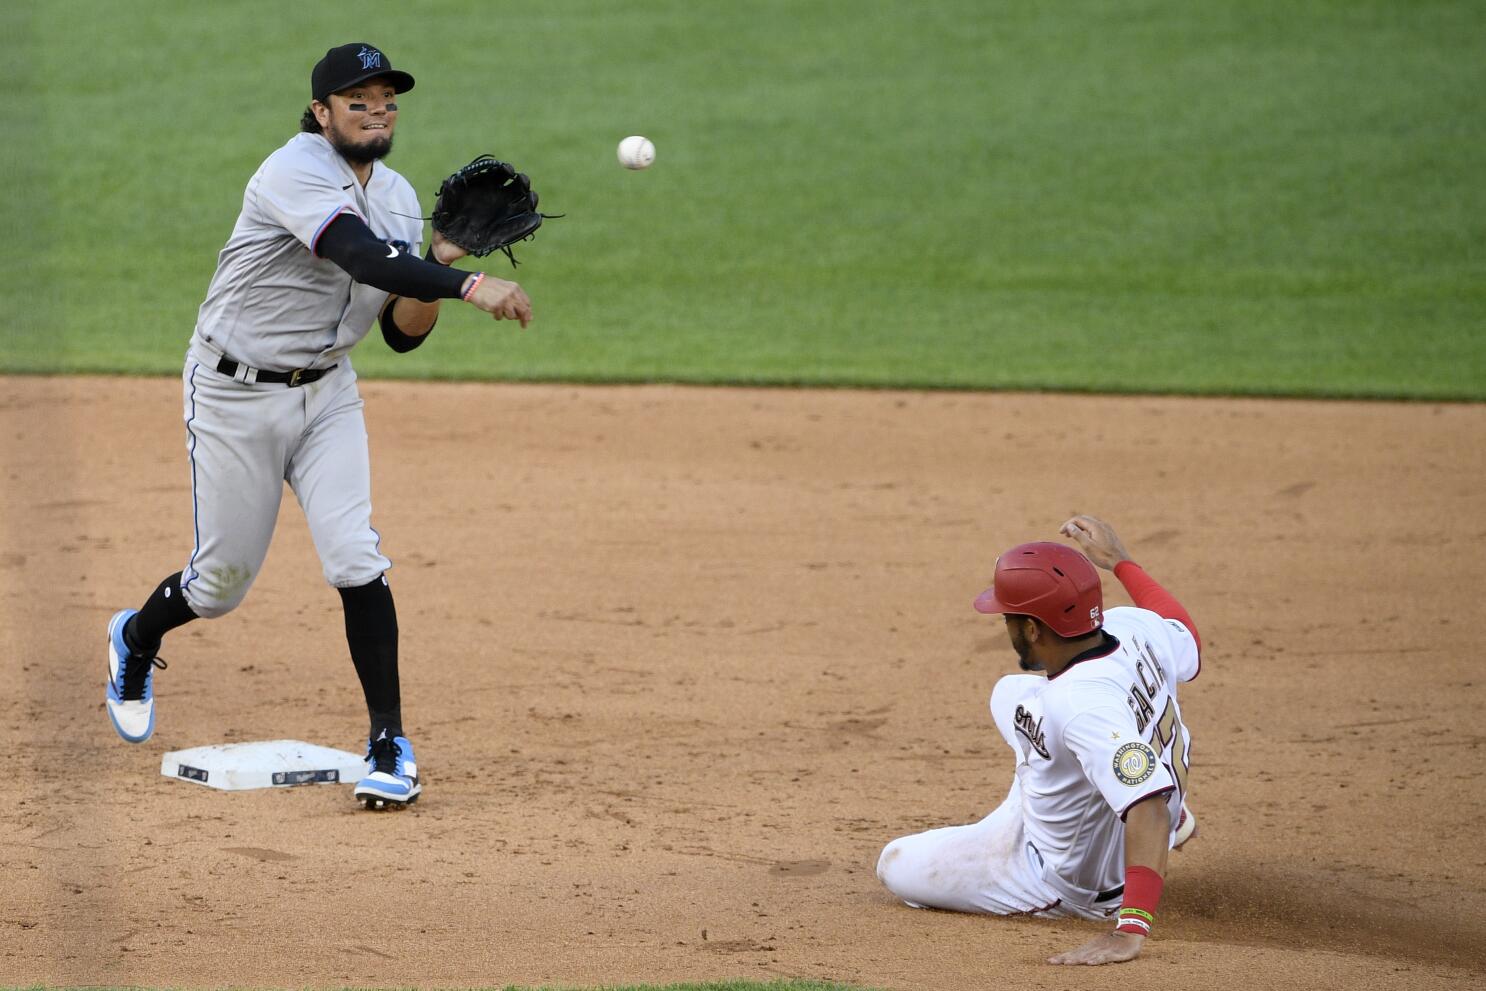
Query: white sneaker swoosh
(391, 251)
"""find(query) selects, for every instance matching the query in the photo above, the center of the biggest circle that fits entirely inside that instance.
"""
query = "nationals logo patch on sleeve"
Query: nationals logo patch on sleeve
(1134, 763)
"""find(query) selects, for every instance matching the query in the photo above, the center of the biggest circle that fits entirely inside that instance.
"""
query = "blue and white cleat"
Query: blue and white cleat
(131, 692)
(391, 781)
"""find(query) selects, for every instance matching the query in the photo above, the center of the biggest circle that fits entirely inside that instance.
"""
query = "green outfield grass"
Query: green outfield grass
(1262, 196)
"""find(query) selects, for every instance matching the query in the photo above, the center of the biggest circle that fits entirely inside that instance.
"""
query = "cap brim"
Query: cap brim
(401, 81)
(986, 602)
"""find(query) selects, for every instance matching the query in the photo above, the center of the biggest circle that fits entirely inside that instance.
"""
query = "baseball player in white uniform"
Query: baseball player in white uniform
(1102, 754)
(327, 244)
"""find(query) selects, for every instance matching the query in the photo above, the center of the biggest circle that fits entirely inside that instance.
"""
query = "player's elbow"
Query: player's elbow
(1149, 809)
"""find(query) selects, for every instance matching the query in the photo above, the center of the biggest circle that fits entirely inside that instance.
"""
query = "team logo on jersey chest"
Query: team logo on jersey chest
(1134, 763)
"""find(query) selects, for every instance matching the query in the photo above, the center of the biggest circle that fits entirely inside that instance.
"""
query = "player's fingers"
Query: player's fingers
(511, 309)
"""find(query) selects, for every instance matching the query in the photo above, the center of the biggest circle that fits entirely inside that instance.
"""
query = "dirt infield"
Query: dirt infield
(678, 663)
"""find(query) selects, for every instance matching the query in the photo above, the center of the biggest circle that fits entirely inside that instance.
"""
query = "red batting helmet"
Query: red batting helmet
(1054, 583)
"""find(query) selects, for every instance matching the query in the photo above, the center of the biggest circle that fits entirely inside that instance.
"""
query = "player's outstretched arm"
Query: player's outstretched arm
(1101, 545)
(1097, 540)
(363, 256)
(1147, 834)
(501, 299)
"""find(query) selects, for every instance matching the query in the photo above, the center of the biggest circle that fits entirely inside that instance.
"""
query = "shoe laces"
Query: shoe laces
(384, 755)
(136, 673)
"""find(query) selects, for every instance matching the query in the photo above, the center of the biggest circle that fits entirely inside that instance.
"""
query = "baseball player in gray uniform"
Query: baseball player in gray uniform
(328, 243)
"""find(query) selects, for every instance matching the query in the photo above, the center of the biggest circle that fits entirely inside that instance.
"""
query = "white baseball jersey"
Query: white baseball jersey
(273, 303)
(1103, 734)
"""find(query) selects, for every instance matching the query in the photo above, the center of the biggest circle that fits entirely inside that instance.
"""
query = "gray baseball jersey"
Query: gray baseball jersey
(273, 303)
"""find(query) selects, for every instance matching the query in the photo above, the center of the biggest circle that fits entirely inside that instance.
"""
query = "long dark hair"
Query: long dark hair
(308, 123)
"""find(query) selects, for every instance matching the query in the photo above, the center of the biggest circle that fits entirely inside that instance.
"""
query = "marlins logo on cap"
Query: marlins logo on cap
(347, 65)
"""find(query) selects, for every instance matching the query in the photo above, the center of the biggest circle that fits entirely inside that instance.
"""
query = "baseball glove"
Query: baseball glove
(487, 206)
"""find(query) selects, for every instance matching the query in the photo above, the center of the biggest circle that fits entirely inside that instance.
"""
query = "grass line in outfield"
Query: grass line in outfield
(1266, 197)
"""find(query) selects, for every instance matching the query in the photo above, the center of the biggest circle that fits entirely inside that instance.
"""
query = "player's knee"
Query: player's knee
(209, 607)
(354, 567)
(893, 868)
(217, 591)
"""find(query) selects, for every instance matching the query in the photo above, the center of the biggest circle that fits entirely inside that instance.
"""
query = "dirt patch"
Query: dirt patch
(678, 663)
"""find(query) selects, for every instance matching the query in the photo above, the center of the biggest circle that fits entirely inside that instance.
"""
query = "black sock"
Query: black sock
(165, 609)
(371, 632)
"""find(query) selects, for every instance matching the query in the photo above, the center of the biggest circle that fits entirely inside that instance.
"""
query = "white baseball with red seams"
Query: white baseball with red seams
(636, 152)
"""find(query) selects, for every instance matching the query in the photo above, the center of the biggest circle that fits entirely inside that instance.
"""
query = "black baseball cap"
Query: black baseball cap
(351, 64)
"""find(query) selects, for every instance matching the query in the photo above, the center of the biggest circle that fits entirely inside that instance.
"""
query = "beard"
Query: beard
(1022, 648)
(364, 152)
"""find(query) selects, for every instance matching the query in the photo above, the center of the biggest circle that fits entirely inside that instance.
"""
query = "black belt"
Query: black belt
(300, 376)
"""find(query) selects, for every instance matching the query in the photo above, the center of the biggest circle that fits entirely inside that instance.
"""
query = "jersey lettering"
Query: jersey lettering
(1146, 657)
(1032, 731)
(1151, 679)
(1169, 731)
(1146, 681)
(1141, 706)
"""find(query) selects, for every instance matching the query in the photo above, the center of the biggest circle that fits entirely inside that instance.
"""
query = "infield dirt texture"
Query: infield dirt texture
(678, 662)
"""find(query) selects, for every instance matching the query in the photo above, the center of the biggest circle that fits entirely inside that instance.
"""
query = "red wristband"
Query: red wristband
(1142, 895)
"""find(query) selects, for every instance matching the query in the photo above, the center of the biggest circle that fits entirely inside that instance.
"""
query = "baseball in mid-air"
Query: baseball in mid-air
(636, 152)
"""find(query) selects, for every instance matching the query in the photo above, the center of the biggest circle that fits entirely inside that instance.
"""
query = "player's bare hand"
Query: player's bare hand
(1112, 947)
(446, 252)
(1097, 540)
(502, 300)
